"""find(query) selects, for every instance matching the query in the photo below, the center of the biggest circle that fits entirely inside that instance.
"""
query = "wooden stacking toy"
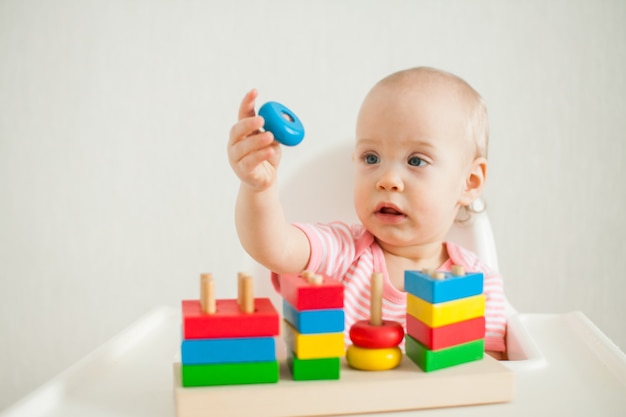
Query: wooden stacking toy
(375, 341)
(445, 317)
(314, 389)
(228, 342)
(313, 325)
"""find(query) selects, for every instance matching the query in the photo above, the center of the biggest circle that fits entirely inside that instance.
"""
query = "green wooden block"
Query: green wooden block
(314, 369)
(230, 374)
(431, 360)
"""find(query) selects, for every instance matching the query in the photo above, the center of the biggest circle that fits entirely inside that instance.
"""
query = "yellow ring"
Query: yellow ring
(373, 359)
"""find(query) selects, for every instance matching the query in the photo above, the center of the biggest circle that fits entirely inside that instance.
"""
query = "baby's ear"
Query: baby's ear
(474, 181)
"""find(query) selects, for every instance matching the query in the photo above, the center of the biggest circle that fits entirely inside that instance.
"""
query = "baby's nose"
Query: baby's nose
(390, 181)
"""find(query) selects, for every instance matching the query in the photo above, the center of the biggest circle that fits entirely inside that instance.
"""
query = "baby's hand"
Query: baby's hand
(253, 155)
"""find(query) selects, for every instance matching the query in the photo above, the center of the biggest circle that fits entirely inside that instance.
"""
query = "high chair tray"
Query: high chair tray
(564, 366)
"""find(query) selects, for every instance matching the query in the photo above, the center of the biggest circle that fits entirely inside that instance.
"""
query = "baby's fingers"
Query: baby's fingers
(245, 127)
(257, 168)
(252, 161)
(251, 144)
(246, 108)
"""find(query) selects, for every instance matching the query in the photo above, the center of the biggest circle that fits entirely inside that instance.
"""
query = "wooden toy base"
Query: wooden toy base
(404, 388)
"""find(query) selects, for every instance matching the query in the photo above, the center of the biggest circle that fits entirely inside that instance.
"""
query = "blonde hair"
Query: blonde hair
(477, 123)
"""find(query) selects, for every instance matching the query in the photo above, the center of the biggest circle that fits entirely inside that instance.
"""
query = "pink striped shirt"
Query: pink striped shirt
(351, 254)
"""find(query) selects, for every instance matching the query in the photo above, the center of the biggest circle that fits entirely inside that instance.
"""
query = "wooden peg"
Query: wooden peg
(458, 270)
(306, 274)
(428, 271)
(207, 294)
(240, 278)
(438, 275)
(376, 299)
(246, 294)
(315, 279)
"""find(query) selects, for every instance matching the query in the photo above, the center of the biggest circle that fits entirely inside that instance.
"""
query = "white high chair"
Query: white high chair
(475, 234)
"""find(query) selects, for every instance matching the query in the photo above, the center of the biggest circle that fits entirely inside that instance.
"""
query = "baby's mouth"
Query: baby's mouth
(389, 212)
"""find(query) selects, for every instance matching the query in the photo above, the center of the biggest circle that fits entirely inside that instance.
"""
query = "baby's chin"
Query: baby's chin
(393, 240)
(405, 239)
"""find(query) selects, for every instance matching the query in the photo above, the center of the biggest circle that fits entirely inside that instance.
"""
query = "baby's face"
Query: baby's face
(411, 159)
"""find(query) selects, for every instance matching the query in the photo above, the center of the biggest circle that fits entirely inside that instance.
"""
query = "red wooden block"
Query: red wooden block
(445, 336)
(229, 321)
(302, 295)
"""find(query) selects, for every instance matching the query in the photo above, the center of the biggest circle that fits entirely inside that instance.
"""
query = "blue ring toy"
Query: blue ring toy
(282, 122)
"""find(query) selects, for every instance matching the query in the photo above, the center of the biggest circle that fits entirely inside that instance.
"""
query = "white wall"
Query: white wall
(115, 190)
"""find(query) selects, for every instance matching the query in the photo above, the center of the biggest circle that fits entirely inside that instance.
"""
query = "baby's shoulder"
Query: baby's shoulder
(355, 230)
(339, 232)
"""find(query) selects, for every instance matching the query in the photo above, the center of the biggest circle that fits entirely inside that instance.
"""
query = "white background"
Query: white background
(115, 189)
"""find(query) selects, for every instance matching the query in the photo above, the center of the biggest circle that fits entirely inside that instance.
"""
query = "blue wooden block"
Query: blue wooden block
(438, 291)
(231, 350)
(314, 321)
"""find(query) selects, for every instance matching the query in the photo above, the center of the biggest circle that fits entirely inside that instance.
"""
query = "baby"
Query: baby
(420, 157)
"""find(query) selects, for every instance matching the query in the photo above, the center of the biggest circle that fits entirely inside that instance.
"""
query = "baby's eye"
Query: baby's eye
(416, 161)
(371, 159)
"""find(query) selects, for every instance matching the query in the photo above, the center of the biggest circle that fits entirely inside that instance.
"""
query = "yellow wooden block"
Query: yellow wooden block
(442, 314)
(313, 346)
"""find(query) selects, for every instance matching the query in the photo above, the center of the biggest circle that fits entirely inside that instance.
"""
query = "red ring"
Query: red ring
(363, 334)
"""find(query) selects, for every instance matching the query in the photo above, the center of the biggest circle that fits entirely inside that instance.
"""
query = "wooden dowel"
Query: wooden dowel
(207, 294)
(315, 279)
(376, 299)
(438, 275)
(240, 277)
(246, 295)
(458, 270)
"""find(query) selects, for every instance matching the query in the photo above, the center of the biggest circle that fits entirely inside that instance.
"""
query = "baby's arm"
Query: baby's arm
(261, 224)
